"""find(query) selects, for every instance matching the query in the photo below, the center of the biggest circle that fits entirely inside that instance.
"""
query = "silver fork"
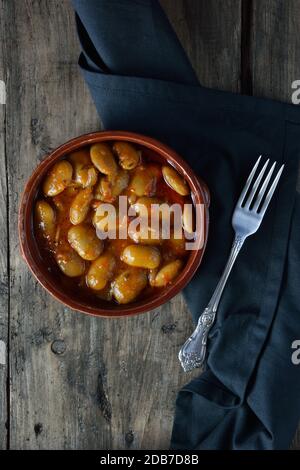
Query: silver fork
(247, 217)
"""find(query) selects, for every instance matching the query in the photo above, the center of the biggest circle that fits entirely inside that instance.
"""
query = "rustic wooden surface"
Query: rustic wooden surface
(4, 311)
(74, 381)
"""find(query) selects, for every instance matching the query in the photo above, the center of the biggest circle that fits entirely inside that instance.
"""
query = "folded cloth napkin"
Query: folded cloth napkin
(141, 80)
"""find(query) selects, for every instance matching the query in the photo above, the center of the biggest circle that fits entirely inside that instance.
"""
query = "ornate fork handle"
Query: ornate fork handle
(192, 354)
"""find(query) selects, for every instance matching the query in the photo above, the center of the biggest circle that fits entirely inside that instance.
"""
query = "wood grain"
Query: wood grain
(275, 46)
(3, 255)
(86, 383)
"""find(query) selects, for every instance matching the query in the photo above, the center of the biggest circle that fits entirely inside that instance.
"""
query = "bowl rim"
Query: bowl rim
(198, 189)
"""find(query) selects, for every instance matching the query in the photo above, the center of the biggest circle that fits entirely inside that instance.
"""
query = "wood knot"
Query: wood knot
(129, 438)
(58, 346)
(38, 428)
(169, 328)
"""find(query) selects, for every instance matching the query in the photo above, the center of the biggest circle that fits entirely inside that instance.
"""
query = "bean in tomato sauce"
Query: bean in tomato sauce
(67, 224)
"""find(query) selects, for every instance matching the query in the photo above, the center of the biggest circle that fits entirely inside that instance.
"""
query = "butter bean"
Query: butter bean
(70, 263)
(101, 271)
(143, 182)
(58, 178)
(80, 206)
(62, 201)
(175, 181)
(98, 195)
(141, 256)
(97, 219)
(111, 188)
(84, 241)
(147, 236)
(85, 174)
(132, 198)
(187, 218)
(167, 274)
(105, 293)
(103, 190)
(129, 284)
(80, 158)
(120, 183)
(45, 219)
(144, 205)
(151, 276)
(129, 157)
(86, 177)
(103, 159)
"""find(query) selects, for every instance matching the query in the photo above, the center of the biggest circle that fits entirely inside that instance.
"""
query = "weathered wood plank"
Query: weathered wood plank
(3, 246)
(274, 56)
(114, 383)
(47, 105)
(211, 35)
(275, 48)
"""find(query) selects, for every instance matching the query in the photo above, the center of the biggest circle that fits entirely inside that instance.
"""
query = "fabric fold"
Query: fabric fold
(132, 38)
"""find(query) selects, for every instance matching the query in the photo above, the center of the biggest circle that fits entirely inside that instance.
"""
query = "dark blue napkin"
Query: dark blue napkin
(141, 80)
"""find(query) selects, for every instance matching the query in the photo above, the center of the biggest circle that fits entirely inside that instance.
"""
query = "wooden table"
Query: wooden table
(67, 380)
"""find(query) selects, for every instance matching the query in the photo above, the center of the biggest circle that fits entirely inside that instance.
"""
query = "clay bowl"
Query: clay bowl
(49, 278)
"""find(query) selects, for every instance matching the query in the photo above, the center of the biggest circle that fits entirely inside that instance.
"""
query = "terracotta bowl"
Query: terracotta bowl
(50, 280)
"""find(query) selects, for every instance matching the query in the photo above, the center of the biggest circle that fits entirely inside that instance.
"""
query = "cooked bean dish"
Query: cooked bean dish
(71, 221)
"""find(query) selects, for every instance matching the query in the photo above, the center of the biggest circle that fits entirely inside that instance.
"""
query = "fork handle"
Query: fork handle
(193, 352)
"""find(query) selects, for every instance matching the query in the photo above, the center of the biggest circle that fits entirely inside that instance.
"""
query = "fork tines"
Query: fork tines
(255, 196)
